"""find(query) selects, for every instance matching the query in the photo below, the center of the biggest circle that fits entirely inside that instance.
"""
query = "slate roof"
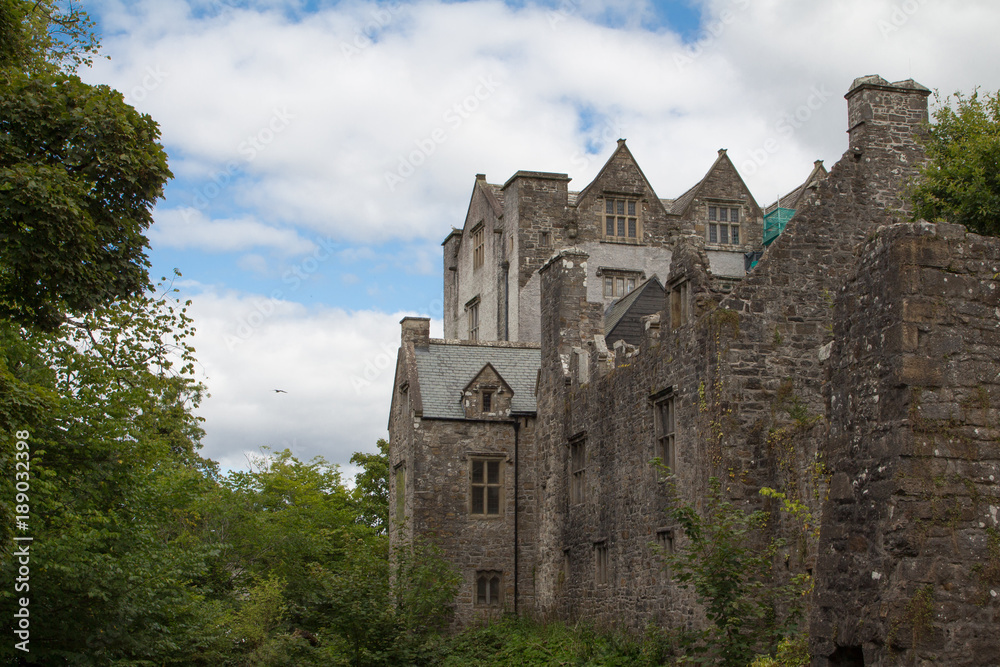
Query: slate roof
(444, 369)
(617, 310)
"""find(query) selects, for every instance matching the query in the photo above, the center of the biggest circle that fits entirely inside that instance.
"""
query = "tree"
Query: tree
(728, 562)
(961, 181)
(80, 171)
(371, 487)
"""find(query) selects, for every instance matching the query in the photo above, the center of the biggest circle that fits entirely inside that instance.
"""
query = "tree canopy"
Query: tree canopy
(80, 171)
(961, 181)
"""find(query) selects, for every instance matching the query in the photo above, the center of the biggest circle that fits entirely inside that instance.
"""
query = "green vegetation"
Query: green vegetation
(728, 561)
(961, 182)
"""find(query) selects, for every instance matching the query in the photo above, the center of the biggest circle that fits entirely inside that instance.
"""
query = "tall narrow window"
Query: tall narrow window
(680, 303)
(601, 563)
(487, 400)
(578, 470)
(488, 588)
(485, 487)
(478, 247)
(665, 441)
(473, 311)
(400, 492)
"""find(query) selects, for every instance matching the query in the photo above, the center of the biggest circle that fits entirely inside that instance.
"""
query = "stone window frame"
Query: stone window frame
(601, 567)
(665, 418)
(666, 542)
(484, 486)
(399, 472)
(472, 317)
(623, 211)
(488, 588)
(577, 465)
(619, 281)
(545, 239)
(679, 295)
(478, 246)
(719, 216)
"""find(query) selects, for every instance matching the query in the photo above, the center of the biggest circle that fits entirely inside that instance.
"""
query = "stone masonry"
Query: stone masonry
(856, 369)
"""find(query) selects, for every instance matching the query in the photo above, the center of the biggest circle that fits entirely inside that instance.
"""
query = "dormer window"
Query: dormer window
(487, 400)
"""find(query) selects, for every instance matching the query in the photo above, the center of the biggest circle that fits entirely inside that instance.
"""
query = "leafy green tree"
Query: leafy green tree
(961, 181)
(371, 487)
(80, 171)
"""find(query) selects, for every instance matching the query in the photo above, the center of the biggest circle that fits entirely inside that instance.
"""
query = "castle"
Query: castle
(822, 346)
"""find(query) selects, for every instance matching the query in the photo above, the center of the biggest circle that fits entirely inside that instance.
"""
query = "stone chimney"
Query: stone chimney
(416, 330)
(885, 119)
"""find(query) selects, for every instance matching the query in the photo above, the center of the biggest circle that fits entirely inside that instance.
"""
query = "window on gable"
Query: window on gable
(621, 219)
(478, 247)
(486, 482)
(665, 440)
(723, 225)
(578, 470)
(487, 400)
(488, 588)
(601, 563)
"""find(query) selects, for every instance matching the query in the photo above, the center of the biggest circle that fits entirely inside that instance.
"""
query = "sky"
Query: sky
(322, 151)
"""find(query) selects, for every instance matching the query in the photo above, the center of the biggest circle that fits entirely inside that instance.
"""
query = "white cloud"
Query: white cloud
(188, 228)
(336, 366)
(317, 113)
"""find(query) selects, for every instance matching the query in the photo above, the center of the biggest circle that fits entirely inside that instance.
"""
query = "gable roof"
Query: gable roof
(445, 369)
(622, 148)
(792, 199)
(645, 299)
(682, 203)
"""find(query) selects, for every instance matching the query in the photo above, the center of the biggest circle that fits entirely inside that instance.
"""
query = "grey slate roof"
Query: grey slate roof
(617, 310)
(444, 369)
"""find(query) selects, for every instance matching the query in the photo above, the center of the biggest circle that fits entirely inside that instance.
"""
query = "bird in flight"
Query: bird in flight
(280, 391)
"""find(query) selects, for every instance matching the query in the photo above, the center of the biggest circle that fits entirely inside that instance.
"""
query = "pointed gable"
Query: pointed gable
(723, 181)
(487, 395)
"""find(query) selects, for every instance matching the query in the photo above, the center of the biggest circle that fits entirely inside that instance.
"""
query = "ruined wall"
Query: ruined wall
(909, 565)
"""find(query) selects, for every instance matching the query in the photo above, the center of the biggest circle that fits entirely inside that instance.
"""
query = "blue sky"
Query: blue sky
(323, 150)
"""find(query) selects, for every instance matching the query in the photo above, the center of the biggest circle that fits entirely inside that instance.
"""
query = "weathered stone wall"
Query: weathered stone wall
(909, 565)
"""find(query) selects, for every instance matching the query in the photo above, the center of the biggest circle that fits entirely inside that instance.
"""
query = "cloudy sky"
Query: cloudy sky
(322, 150)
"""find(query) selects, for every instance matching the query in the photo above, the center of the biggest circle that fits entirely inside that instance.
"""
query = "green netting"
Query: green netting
(774, 223)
